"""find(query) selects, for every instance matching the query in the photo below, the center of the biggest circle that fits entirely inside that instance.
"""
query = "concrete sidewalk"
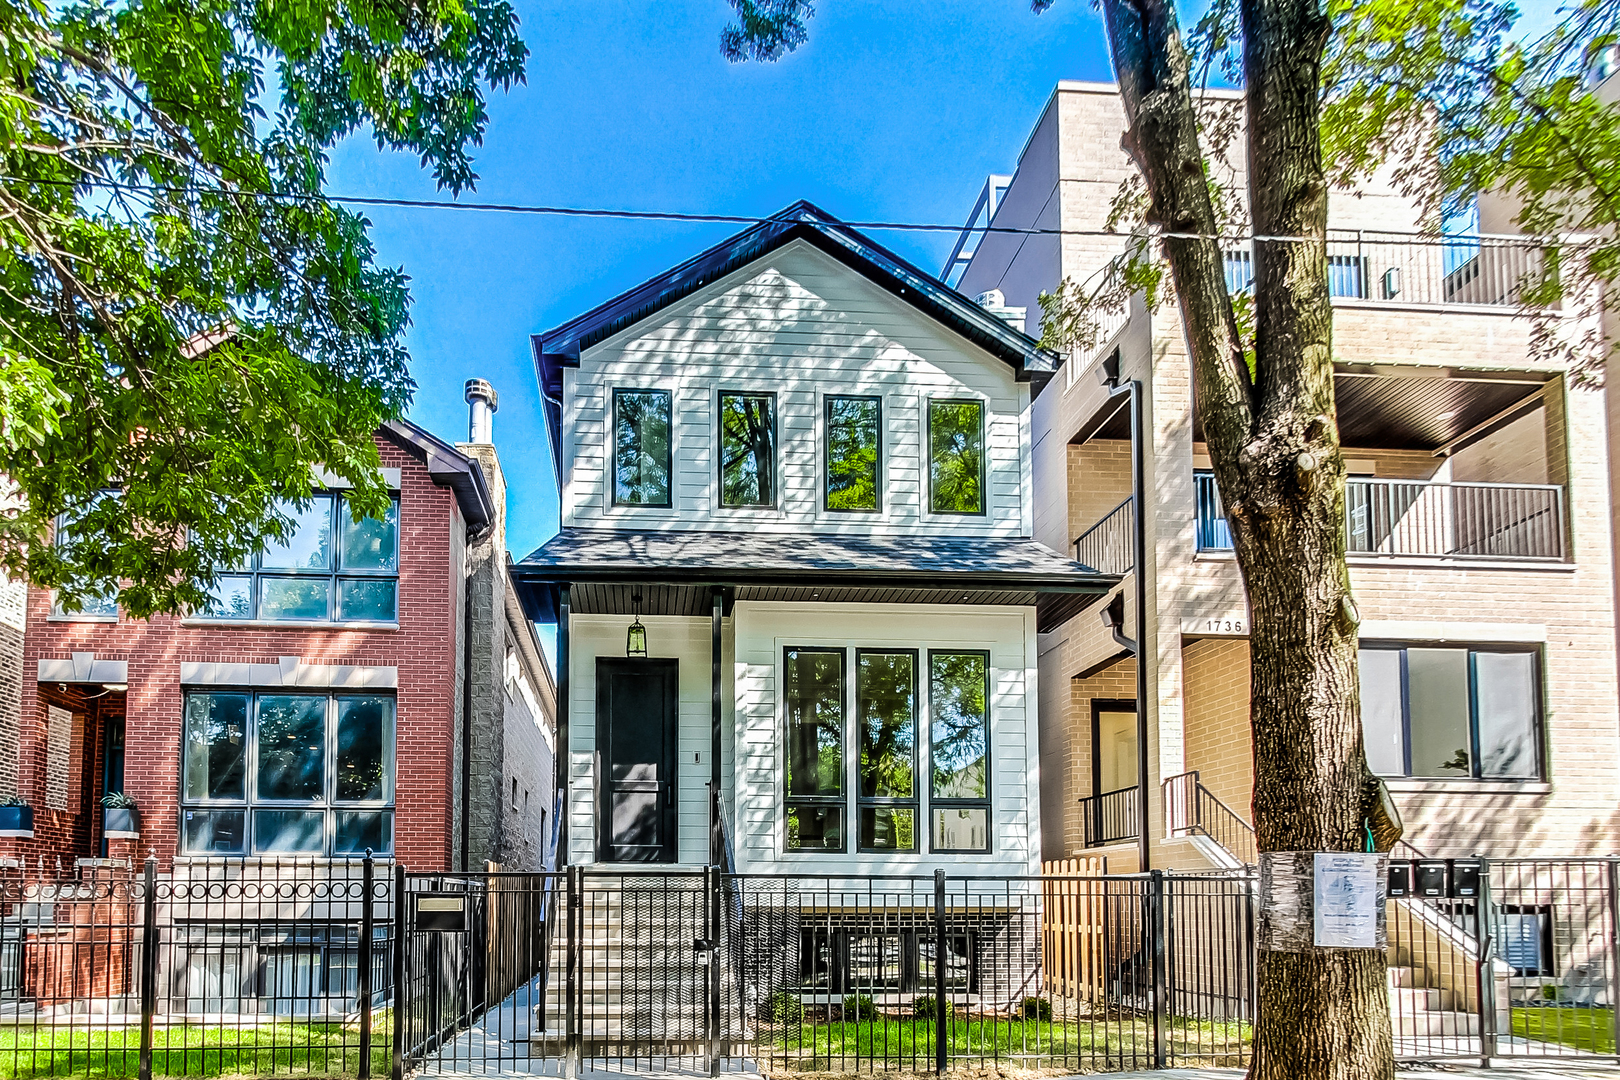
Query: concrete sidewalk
(1502, 1069)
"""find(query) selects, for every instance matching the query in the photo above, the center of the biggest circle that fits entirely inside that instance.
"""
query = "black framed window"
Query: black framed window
(98, 605)
(956, 456)
(330, 568)
(641, 447)
(278, 773)
(747, 449)
(959, 749)
(854, 453)
(886, 724)
(1454, 712)
(813, 683)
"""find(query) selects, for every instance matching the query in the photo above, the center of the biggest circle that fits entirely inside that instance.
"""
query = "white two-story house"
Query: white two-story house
(796, 566)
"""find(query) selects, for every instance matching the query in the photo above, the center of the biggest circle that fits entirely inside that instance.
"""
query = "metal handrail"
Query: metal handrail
(1111, 816)
(1191, 808)
(1106, 547)
(1425, 519)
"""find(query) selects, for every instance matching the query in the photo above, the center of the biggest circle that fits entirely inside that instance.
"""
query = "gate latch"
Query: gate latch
(704, 947)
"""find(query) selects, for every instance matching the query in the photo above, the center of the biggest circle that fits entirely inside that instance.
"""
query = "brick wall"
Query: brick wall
(424, 649)
(1066, 756)
(1219, 745)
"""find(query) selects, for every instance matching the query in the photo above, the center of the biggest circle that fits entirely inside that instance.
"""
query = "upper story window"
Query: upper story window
(641, 447)
(747, 449)
(97, 606)
(854, 426)
(330, 569)
(277, 773)
(1452, 713)
(956, 457)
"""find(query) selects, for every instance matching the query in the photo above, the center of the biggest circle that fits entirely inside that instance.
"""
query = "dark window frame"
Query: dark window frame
(612, 471)
(827, 460)
(1546, 917)
(337, 573)
(984, 454)
(914, 803)
(96, 608)
(1537, 693)
(841, 801)
(987, 804)
(328, 804)
(720, 451)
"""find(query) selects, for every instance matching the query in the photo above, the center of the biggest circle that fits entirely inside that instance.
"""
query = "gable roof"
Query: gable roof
(561, 347)
(447, 467)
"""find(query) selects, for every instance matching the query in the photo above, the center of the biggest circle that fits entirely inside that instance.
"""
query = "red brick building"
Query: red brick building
(364, 686)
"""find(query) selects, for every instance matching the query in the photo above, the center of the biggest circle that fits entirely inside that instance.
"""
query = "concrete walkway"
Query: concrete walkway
(1502, 1069)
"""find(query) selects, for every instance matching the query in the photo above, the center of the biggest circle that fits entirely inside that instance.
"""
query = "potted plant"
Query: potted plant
(17, 818)
(120, 819)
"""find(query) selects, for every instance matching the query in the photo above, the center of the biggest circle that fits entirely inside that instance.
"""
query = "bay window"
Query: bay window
(1452, 712)
(279, 773)
(330, 568)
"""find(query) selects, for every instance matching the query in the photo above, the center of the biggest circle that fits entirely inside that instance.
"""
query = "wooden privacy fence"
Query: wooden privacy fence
(514, 942)
(1073, 926)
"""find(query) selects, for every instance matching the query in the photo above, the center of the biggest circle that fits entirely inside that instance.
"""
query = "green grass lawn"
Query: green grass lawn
(302, 1049)
(822, 1046)
(1591, 1030)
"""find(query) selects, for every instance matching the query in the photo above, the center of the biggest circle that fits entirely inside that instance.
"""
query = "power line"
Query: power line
(655, 215)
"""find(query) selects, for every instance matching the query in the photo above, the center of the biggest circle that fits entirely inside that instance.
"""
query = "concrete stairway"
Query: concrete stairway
(1421, 1011)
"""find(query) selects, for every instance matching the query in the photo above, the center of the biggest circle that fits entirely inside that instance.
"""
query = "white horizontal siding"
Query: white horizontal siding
(803, 326)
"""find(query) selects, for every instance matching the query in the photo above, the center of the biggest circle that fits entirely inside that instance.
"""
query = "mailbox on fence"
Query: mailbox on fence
(1429, 877)
(444, 912)
(1400, 879)
(1464, 879)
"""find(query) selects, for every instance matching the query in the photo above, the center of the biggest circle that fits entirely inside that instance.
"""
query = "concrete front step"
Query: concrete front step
(1435, 1023)
(1407, 977)
(1409, 1000)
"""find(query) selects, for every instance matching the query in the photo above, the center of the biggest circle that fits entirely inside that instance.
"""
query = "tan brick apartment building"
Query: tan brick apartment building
(1479, 521)
(322, 707)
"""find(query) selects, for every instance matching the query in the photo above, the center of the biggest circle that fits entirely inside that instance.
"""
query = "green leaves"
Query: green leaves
(185, 321)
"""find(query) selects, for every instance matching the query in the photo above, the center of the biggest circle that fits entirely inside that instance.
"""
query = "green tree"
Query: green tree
(1332, 89)
(185, 322)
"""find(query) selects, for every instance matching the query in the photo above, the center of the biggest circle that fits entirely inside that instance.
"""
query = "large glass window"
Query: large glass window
(330, 568)
(959, 745)
(321, 773)
(99, 605)
(956, 457)
(641, 447)
(1452, 712)
(813, 691)
(854, 426)
(886, 719)
(747, 449)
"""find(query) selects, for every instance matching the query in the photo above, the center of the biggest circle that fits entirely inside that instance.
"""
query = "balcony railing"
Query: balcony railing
(1489, 271)
(1415, 518)
(1110, 817)
(1107, 546)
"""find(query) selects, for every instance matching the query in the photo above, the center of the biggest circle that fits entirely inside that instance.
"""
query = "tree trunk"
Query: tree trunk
(1273, 444)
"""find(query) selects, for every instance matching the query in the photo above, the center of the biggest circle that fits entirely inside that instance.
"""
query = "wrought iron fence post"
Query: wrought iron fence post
(402, 938)
(1486, 978)
(942, 1007)
(368, 870)
(571, 1006)
(1156, 929)
(149, 953)
(713, 934)
(1613, 868)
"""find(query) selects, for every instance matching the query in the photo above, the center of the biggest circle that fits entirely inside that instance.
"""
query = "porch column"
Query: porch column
(716, 852)
(559, 766)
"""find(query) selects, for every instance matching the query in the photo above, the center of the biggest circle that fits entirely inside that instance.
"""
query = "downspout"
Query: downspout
(559, 761)
(1108, 371)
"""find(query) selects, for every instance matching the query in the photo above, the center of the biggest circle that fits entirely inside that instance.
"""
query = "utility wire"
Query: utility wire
(676, 215)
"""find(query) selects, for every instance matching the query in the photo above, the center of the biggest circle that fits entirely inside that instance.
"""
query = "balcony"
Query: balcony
(1107, 546)
(1422, 519)
(1110, 818)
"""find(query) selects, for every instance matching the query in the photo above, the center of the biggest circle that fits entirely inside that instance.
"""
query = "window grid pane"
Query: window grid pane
(641, 447)
(813, 681)
(959, 748)
(886, 720)
(748, 450)
(956, 457)
(854, 425)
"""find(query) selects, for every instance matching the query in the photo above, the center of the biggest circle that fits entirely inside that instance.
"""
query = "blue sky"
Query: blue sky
(895, 110)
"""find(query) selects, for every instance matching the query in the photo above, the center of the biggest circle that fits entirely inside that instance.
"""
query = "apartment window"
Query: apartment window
(1347, 276)
(641, 447)
(886, 720)
(330, 568)
(96, 605)
(813, 691)
(854, 425)
(275, 773)
(1452, 713)
(959, 746)
(956, 457)
(747, 449)
(1239, 267)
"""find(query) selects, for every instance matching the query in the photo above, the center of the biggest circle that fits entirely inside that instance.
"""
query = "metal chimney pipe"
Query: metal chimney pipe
(482, 406)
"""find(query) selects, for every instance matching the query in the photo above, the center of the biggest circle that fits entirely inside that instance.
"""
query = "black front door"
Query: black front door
(635, 739)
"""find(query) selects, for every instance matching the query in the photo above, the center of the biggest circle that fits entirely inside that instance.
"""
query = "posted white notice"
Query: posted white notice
(1346, 901)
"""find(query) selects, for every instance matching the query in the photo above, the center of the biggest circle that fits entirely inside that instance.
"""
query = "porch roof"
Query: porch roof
(675, 571)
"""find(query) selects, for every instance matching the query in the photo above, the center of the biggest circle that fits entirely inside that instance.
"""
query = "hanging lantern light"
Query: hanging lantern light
(635, 642)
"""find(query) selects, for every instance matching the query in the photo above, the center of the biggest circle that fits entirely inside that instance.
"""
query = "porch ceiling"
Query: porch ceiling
(676, 571)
